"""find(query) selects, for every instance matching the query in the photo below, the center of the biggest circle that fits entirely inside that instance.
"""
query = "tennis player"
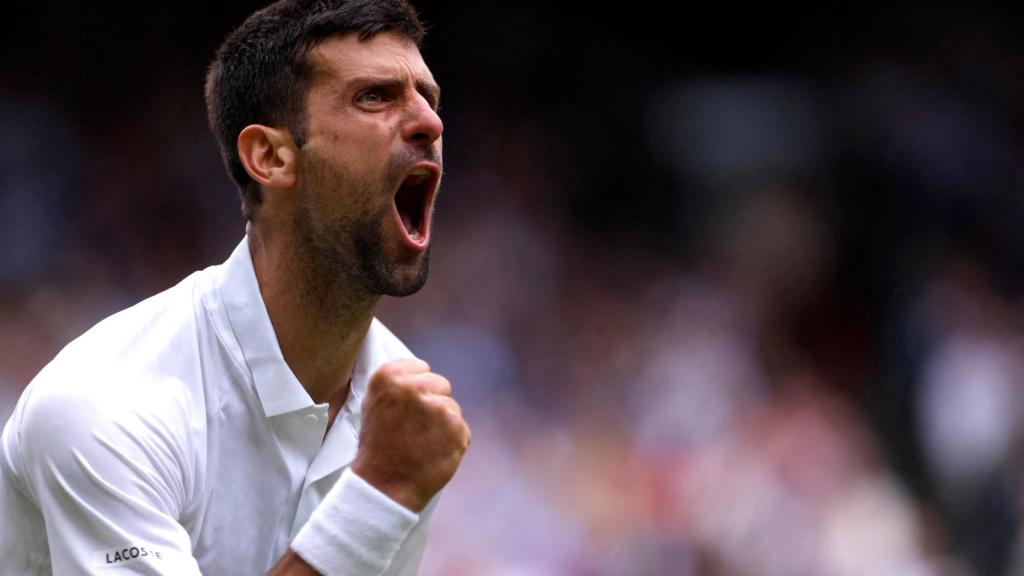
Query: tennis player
(256, 417)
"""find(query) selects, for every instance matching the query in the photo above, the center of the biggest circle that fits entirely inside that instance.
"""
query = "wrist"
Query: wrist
(400, 492)
(355, 530)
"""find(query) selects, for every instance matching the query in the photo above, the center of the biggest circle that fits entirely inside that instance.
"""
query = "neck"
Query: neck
(320, 329)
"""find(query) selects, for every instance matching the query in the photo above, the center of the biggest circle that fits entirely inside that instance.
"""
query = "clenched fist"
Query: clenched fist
(413, 435)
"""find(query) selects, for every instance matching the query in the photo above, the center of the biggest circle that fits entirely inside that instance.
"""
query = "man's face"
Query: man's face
(370, 165)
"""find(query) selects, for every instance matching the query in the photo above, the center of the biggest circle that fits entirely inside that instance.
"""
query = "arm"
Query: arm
(292, 565)
(109, 478)
(411, 443)
(109, 482)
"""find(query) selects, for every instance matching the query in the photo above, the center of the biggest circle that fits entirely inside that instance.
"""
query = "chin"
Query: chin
(404, 279)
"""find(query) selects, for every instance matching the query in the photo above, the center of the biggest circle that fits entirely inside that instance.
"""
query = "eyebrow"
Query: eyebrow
(429, 90)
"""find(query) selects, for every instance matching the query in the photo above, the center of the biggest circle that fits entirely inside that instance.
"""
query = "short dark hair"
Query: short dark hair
(261, 73)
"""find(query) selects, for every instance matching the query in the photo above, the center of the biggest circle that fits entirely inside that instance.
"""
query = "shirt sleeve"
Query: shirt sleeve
(108, 472)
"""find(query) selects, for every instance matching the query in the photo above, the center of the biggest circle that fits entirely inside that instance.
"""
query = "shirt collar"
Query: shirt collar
(371, 355)
(276, 385)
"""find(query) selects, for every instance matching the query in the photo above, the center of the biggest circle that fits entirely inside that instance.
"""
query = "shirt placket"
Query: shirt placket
(337, 452)
(300, 434)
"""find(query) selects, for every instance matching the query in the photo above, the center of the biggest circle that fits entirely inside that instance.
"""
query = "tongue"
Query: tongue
(410, 228)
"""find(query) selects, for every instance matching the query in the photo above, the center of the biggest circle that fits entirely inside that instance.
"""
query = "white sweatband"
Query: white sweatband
(355, 531)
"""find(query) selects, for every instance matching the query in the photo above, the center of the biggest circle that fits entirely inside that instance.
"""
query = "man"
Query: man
(257, 416)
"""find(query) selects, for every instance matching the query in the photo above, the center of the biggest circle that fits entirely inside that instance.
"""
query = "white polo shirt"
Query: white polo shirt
(172, 439)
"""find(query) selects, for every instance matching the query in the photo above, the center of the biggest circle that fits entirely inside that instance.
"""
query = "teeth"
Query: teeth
(416, 177)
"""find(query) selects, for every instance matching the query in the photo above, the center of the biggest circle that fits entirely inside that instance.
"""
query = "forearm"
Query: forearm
(356, 531)
(411, 441)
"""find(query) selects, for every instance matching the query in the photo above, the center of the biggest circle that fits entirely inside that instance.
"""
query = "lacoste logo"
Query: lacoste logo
(124, 555)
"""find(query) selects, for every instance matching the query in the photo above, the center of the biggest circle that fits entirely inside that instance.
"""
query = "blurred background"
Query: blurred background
(723, 291)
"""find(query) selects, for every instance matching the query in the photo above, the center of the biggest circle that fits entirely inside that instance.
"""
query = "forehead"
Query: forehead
(388, 54)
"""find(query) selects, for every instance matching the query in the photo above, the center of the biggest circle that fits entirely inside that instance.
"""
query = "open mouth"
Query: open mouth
(413, 202)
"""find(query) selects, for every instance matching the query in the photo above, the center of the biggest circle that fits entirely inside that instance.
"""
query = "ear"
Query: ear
(269, 156)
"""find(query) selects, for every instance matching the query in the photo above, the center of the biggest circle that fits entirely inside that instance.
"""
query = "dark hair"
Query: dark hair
(261, 73)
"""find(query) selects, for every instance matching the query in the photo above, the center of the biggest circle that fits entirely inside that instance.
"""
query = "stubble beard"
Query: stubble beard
(346, 259)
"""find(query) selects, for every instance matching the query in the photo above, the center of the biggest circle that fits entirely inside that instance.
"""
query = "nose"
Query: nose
(422, 125)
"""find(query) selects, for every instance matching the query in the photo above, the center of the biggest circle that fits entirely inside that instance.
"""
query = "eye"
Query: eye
(371, 96)
(374, 96)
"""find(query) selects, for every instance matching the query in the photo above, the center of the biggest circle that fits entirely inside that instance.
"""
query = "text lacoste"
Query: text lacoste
(123, 555)
(131, 554)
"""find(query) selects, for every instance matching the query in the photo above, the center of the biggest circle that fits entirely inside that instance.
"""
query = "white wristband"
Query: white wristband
(355, 531)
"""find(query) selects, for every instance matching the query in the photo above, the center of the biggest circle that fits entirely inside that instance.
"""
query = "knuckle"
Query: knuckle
(383, 375)
(392, 367)
(398, 368)
(435, 405)
(414, 364)
(438, 384)
(452, 419)
(458, 426)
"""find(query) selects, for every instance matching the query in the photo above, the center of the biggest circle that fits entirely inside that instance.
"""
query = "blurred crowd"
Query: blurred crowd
(733, 410)
(770, 325)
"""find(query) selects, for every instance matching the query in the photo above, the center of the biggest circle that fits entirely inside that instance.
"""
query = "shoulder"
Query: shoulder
(142, 331)
(157, 339)
(121, 392)
(142, 360)
(107, 429)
